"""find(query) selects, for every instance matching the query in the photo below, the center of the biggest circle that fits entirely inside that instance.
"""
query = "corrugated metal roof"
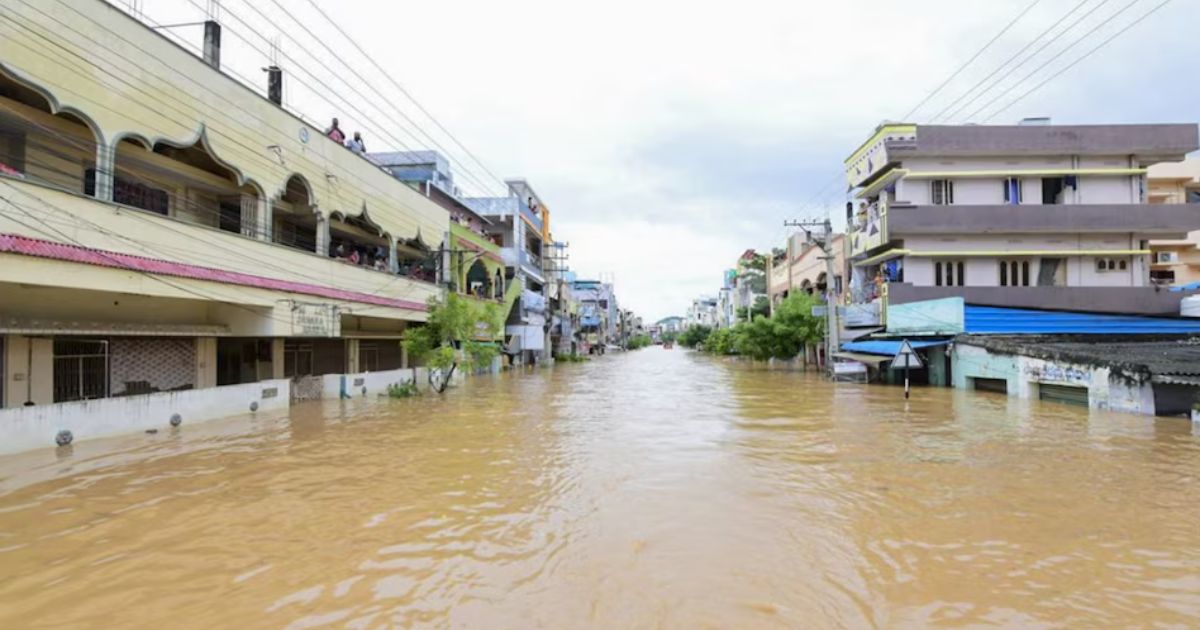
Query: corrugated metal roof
(1180, 357)
(993, 320)
(889, 347)
(11, 243)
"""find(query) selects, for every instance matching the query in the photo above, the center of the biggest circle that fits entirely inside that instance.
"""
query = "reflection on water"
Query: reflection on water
(655, 489)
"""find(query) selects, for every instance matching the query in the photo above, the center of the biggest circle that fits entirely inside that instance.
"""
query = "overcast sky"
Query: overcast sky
(669, 136)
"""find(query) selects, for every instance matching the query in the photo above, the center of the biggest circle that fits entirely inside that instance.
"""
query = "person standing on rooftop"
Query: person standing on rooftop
(335, 132)
(356, 145)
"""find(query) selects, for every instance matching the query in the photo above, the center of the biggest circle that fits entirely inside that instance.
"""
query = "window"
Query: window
(1111, 264)
(230, 217)
(1052, 190)
(1014, 273)
(80, 369)
(941, 192)
(131, 193)
(12, 151)
(1012, 191)
(1052, 272)
(951, 273)
(1162, 277)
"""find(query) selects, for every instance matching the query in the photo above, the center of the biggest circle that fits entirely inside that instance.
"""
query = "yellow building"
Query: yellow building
(165, 229)
(1178, 261)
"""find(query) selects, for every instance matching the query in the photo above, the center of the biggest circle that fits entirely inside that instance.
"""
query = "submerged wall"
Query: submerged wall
(28, 428)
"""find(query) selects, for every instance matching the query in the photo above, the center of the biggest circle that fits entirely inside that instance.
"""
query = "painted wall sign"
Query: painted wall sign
(1059, 374)
(316, 320)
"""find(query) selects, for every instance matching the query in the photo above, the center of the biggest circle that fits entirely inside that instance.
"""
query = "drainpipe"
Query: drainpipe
(212, 44)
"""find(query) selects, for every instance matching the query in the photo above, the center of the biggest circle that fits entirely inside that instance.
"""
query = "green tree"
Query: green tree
(451, 335)
(694, 336)
(783, 335)
(762, 306)
(721, 342)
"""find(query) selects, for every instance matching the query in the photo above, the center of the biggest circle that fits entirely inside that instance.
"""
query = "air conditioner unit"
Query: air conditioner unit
(1166, 257)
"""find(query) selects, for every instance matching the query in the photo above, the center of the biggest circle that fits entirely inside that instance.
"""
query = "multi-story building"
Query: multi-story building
(673, 324)
(472, 264)
(520, 224)
(1033, 215)
(802, 268)
(750, 284)
(599, 317)
(1175, 262)
(167, 231)
(703, 312)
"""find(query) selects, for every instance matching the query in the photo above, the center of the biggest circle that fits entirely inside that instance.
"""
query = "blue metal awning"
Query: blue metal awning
(889, 347)
(993, 320)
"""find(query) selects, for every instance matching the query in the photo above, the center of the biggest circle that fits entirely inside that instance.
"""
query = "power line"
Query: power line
(1051, 60)
(403, 91)
(348, 105)
(253, 152)
(1008, 61)
(979, 52)
(1081, 58)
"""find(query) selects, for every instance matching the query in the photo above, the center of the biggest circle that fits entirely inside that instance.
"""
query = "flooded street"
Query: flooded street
(657, 489)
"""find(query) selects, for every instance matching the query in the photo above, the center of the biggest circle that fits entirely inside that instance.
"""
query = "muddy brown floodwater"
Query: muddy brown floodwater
(657, 489)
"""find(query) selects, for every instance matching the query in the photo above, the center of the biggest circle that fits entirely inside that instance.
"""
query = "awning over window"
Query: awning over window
(889, 347)
(869, 359)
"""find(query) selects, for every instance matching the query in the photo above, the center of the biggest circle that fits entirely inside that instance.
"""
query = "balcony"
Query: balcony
(1125, 300)
(99, 244)
(869, 230)
(1161, 220)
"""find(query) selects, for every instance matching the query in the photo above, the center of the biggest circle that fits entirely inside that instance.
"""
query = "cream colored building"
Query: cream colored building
(165, 229)
(802, 268)
(1177, 261)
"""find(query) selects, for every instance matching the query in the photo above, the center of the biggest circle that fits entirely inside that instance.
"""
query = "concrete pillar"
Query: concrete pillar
(352, 364)
(28, 371)
(277, 358)
(393, 263)
(106, 168)
(403, 357)
(322, 235)
(206, 362)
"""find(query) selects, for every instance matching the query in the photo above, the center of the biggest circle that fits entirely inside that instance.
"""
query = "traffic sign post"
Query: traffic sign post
(906, 357)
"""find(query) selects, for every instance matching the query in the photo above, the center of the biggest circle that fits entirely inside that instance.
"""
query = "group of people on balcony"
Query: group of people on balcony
(372, 258)
(355, 144)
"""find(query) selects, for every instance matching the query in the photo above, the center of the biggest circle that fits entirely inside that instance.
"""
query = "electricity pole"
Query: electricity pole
(825, 241)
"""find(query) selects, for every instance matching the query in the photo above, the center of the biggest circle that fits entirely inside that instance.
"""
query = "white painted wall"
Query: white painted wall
(27, 428)
(371, 384)
(1025, 374)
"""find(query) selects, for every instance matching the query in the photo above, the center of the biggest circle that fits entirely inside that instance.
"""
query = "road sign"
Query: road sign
(820, 311)
(906, 358)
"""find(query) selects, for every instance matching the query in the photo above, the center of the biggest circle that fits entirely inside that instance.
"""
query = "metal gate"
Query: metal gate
(997, 385)
(1068, 394)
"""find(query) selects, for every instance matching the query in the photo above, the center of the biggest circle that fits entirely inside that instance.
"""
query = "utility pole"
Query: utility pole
(825, 242)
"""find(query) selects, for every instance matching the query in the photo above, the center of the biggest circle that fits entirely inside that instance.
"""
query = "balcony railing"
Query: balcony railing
(869, 228)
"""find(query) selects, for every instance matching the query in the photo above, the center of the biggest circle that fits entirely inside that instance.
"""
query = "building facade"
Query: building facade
(166, 229)
(1033, 215)
(1175, 262)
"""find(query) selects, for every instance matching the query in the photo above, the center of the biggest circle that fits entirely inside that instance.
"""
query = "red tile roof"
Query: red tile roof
(15, 244)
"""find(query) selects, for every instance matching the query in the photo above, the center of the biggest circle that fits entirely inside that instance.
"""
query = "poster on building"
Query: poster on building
(316, 320)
